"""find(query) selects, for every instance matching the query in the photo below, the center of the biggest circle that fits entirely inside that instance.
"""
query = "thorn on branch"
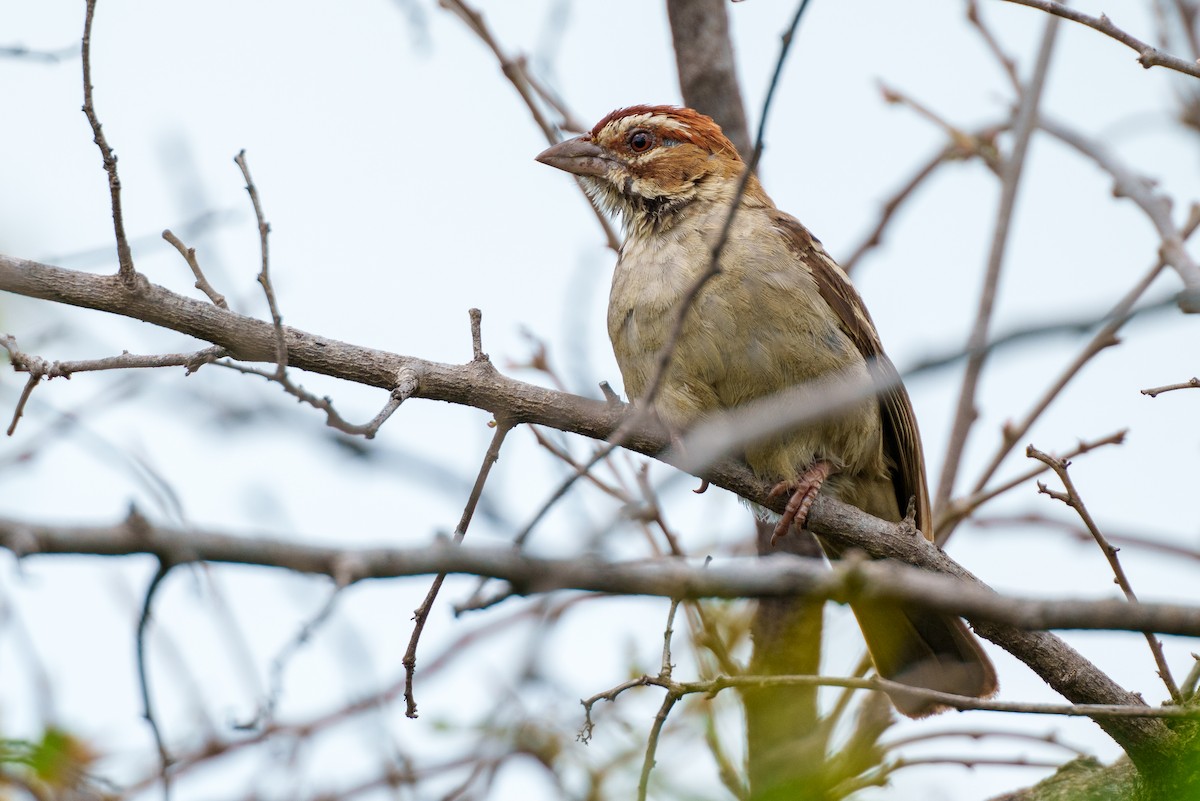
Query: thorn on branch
(610, 395)
(477, 354)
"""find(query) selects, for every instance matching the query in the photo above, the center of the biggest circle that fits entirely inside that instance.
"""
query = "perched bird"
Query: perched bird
(779, 313)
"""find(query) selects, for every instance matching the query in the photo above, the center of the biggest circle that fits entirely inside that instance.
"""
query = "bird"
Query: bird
(778, 313)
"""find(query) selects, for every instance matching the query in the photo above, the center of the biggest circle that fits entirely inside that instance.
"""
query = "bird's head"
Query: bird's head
(650, 162)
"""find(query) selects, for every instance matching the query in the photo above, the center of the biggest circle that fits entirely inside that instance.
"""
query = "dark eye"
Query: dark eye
(641, 141)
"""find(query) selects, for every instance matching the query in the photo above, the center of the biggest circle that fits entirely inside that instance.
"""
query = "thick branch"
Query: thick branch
(477, 384)
(707, 70)
(666, 577)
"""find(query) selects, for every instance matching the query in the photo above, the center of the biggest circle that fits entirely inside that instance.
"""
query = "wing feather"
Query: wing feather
(901, 438)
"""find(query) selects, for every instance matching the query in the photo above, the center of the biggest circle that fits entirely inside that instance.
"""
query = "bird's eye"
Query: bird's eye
(641, 141)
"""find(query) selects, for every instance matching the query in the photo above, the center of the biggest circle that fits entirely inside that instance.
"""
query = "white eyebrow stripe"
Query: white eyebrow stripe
(658, 120)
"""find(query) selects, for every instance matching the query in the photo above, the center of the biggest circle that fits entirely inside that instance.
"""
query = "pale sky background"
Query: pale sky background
(395, 164)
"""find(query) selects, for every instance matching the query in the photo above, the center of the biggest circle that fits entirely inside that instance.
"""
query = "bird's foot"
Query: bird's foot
(804, 491)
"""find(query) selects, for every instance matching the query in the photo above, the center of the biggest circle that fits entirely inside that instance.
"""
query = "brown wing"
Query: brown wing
(901, 439)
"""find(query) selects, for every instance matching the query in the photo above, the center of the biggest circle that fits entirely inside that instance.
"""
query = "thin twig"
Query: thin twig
(421, 614)
(39, 368)
(666, 668)
(660, 720)
(1073, 499)
(516, 70)
(189, 255)
(965, 414)
(165, 761)
(1012, 433)
(266, 712)
(124, 254)
(406, 385)
(19, 411)
(1050, 738)
(1154, 392)
(961, 508)
(710, 687)
(893, 204)
(264, 275)
(1123, 540)
(704, 630)
(1148, 56)
(1006, 62)
(1142, 191)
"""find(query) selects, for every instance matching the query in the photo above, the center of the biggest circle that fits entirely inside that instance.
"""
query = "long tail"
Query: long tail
(924, 649)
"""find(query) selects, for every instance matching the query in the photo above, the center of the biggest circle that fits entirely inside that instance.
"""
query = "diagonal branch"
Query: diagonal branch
(1148, 56)
(1072, 499)
(1010, 180)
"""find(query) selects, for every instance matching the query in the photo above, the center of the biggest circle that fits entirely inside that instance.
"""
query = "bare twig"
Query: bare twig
(124, 254)
(266, 712)
(421, 614)
(1148, 56)
(876, 684)
(893, 204)
(189, 255)
(19, 411)
(1120, 314)
(1124, 539)
(406, 385)
(1050, 738)
(516, 70)
(729, 774)
(249, 339)
(39, 368)
(1154, 392)
(1003, 59)
(1155, 204)
(165, 761)
(960, 508)
(1023, 127)
(1072, 499)
(264, 275)
(660, 720)
(668, 704)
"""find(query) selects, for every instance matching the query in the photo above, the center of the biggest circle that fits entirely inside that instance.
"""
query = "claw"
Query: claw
(804, 491)
(702, 488)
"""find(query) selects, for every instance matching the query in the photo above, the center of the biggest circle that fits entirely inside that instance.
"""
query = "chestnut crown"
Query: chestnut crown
(648, 163)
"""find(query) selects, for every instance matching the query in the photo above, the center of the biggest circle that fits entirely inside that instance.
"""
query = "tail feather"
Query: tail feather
(926, 650)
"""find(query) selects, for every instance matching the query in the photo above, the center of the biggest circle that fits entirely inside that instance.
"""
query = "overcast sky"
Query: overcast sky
(395, 164)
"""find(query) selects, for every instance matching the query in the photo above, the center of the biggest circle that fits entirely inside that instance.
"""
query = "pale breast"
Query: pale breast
(757, 328)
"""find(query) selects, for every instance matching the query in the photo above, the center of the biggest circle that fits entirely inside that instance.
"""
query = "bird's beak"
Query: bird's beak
(579, 156)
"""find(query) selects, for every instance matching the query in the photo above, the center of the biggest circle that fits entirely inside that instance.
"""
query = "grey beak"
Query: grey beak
(579, 156)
